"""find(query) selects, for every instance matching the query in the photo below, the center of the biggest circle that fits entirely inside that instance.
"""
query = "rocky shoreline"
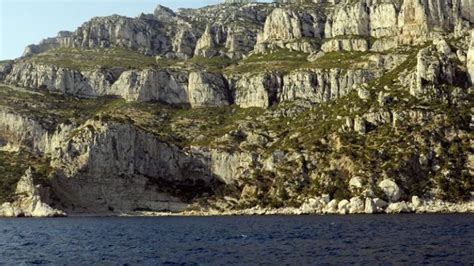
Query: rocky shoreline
(330, 107)
(427, 207)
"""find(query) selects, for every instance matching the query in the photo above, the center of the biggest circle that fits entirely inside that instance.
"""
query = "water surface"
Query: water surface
(434, 239)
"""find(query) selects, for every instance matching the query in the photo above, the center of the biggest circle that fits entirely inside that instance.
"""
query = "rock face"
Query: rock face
(321, 85)
(346, 96)
(470, 58)
(436, 69)
(20, 130)
(28, 202)
(282, 24)
(166, 33)
(284, 29)
(102, 173)
(5, 70)
(204, 32)
(151, 85)
(337, 45)
(418, 18)
(207, 89)
(257, 90)
(349, 20)
(61, 80)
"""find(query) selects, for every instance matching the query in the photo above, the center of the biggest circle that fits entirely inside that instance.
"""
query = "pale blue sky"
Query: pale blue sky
(23, 22)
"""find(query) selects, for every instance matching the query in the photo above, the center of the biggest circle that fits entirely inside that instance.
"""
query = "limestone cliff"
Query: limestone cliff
(246, 108)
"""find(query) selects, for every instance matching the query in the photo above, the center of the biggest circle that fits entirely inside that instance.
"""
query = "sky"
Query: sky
(24, 22)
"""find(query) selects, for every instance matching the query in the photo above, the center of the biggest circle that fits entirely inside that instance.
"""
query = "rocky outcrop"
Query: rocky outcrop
(61, 80)
(117, 31)
(5, 69)
(231, 30)
(164, 14)
(411, 22)
(281, 24)
(338, 45)
(19, 130)
(207, 89)
(43, 46)
(29, 201)
(118, 168)
(151, 85)
(284, 28)
(417, 19)
(348, 20)
(390, 189)
(208, 42)
(318, 85)
(436, 68)
(259, 90)
(321, 85)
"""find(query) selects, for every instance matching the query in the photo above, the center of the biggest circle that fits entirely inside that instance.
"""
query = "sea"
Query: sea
(440, 239)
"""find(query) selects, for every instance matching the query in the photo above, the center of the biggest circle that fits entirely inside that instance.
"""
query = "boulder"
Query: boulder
(415, 200)
(390, 189)
(442, 47)
(332, 206)
(312, 205)
(360, 125)
(363, 93)
(326, 198)
(370, 206)
(356, 205)
(398, 207)
(343, 206)
(355, 182)
(379, 203)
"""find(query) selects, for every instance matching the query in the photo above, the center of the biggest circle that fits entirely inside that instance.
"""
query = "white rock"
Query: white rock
(363, 93)
(207, 90)
(398, 207)
(332, 206)
(257, 90)
(356, 205)
(343, 206)
(415, 200)
(28, 201)
(151, 85)
(281, 24)
(326, 198)
(442, 46)
(370, 207)
(390, 189)
(355, 182)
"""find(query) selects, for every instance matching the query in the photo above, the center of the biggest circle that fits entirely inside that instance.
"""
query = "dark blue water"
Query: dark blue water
(406, 239)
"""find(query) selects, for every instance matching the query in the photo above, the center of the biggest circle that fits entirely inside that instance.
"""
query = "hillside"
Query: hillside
(336, 106)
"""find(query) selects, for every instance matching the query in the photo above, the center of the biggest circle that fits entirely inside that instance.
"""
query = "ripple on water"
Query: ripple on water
(407, 239)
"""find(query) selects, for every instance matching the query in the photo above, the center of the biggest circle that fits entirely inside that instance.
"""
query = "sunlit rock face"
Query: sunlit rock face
(290, 107)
